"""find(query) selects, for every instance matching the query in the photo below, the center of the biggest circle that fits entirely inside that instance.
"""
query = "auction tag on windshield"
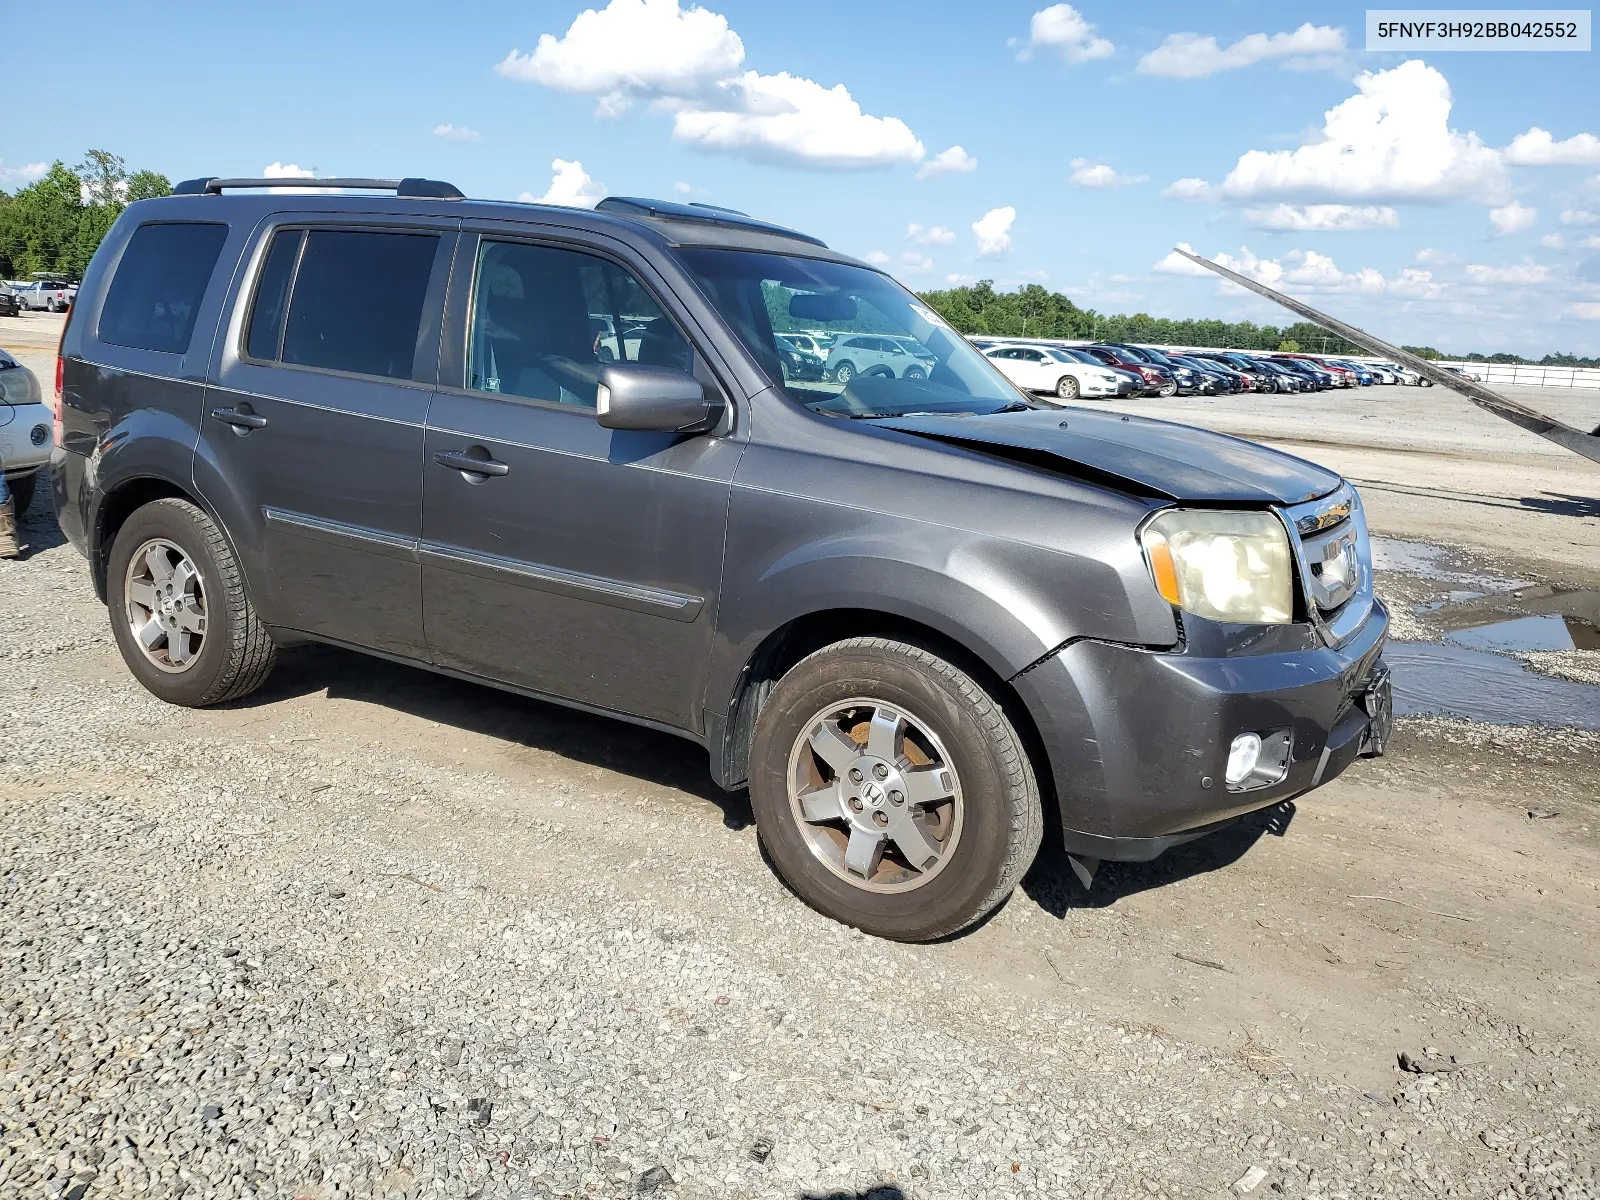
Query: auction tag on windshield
(1477, 29)
(928, 315)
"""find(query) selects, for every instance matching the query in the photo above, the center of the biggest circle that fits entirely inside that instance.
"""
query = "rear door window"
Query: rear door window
(354, 302)
(155, 295)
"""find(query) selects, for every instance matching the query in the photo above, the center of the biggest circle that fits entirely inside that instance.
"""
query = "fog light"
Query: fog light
(1242, 757)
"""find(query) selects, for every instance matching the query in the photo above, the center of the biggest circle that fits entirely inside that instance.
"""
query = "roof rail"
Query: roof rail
(404, 189)
(704, 214)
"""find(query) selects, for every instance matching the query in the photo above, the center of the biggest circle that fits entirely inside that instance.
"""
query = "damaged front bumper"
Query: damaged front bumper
(1139, 740)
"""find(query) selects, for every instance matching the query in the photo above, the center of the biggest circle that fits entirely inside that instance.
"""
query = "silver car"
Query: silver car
(25, 423)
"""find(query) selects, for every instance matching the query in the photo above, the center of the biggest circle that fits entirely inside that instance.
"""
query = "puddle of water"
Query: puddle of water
(1432, 562)
(1529, 633)
(1456, 681)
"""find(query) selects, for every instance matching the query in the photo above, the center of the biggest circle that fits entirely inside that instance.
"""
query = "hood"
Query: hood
(1134, 454)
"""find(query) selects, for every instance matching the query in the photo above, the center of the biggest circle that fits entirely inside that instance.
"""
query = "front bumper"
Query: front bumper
(1138, 740)
(20, 425)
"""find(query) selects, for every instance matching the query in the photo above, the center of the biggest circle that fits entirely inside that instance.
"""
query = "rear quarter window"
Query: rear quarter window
(155, 295)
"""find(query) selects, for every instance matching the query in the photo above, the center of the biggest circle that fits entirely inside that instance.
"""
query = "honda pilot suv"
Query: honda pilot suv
(914, 613)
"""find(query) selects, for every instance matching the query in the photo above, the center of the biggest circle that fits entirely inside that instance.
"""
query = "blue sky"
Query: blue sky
(1430, 210)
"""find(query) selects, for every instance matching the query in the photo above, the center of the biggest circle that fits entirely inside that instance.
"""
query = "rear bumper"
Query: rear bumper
(1138, 740)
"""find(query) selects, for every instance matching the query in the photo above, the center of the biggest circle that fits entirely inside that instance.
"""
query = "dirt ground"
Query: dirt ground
(1446, 896)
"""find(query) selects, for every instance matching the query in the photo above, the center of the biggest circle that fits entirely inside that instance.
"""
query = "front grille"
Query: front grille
(1334, 556)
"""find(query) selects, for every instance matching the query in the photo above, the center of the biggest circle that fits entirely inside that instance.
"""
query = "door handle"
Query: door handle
(458, 460)
(242, 420)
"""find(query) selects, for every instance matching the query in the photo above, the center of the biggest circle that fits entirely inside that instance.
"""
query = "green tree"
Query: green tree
(148, 185)
(1289, 346)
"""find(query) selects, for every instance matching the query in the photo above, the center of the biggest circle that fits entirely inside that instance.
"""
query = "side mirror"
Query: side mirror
(654, 399)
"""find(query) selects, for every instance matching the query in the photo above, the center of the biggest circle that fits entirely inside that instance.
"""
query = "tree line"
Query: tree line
(55, 223)
(1034, 311)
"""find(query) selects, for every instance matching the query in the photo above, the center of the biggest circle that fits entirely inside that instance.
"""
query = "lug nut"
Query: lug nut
(881, 771)
(855, 774)
(855, 803)
(897, 798)
(880, 818)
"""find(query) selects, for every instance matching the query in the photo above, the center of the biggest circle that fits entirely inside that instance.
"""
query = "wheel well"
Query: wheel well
(116, 508)
(789, 643)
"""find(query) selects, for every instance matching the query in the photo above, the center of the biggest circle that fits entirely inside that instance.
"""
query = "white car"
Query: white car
(25, 432)
(874, 354)
(1036, 369)
(1397, 374)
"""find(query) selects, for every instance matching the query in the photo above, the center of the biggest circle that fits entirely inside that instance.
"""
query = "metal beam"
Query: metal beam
(1576, 440)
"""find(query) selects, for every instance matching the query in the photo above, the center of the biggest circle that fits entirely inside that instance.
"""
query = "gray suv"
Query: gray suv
(923, 619)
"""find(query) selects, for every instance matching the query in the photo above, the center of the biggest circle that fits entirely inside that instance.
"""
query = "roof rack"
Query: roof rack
(404, 189)
(704, 214)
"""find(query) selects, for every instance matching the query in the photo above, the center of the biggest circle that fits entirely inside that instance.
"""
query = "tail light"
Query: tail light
(57, 403)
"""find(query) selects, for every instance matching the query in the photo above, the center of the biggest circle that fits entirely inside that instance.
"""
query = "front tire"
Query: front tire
(1170, 389)
(1066, 388)
(892, 791)
(179, 610)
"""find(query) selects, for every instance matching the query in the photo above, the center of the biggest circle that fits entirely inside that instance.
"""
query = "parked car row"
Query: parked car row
(1069, 372)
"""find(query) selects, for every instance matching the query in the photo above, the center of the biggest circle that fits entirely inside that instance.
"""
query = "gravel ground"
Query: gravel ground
(277, 950)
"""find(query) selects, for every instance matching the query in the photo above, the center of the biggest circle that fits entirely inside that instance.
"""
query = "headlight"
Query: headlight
(1224, 566)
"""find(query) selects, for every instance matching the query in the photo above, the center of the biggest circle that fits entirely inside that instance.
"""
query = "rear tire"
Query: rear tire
(1066, 388)
(983, 832)
(235, 653)
(844, 372)
(22, 491)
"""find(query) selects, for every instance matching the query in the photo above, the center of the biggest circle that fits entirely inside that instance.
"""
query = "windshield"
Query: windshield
(888, 354)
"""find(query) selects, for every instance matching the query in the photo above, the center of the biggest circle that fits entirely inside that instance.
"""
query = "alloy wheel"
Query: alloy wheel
(875, 795)
(165, 605)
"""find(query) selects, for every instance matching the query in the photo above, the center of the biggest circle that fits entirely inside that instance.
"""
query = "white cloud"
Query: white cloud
(1190, 189)
(457, 133)
(876, 257)
(1390, 141)
(1176, 264)
(1586, 312)
(1553, 241)
(279, 170)
(915, 263)
(954, 161)
(1512, 218)
(1099, 175)
(1524, 275)
(993, 230)
(1579, 216)
(22, 176)
(956, 280)
(784, 118)
(1416, 282)
(1191, 56)
(1061, 30)
(1299, 271)
(1322, 218)
(570, 186)
(688, 61)
(682, 188)
(631, 49)
(1537, 148)
(1592, 242)
(1439, 258)
(933, 235)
